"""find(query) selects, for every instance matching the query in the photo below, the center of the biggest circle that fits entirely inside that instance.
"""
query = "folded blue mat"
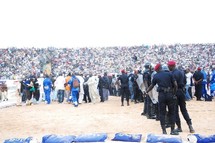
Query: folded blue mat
(152, 138)
(97, 137)
(18, 140)
(57, 139)
(127, 137)
(201, 138)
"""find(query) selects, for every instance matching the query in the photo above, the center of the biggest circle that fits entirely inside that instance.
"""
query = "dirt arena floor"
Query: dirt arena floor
(108, 117)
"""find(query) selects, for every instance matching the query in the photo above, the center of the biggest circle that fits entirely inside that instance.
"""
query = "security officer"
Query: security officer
(180, 93)
(166, 89)
(149, 107)
(198, 78)
(124, 87)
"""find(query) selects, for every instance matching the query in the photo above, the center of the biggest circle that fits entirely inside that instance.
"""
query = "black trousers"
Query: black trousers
(28, 94)
(198, 91)
(37, 95)
(101, 94)
(136, 93)
(166, 100)
(182, 105)
(86, 95)
(124, 93)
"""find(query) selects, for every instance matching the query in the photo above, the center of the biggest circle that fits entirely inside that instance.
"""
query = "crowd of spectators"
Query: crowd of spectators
(28, 61)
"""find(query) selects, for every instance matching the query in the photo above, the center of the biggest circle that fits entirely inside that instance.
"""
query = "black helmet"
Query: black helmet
(147, 65)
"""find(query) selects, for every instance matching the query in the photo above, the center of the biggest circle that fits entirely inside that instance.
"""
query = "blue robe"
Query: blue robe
(74, 91)
(47, 85)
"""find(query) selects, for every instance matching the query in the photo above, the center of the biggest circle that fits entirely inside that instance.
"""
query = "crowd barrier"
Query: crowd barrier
(119, 137)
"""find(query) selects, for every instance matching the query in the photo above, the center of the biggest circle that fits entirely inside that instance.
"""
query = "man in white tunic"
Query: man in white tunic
(81, 91)
(92, 82)
(59, 87)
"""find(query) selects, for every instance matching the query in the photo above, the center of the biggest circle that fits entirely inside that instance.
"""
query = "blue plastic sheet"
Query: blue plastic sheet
(57, 139)
(152, 138)
(202, 139)
(18, 140)
(97, 137)
(127, 137)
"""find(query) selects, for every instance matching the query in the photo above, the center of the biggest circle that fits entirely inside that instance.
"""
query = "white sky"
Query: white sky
(96, 23)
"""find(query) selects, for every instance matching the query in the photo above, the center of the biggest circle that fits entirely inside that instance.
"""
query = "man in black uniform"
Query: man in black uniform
(135, 87)
(166, 89)
(149, 107)
(180, 93)
(198, 78)
(124, 87)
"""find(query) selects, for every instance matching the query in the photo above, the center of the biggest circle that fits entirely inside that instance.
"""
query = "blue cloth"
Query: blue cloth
(212, 79)
(204, 77)
(47, 96)
(127, 137)
(97, 137)
(58, 139)
(47, 84)
(74, 99)
(212, 87)
(152, 138)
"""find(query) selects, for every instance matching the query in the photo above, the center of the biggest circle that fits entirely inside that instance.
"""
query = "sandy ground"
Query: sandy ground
(108, 117)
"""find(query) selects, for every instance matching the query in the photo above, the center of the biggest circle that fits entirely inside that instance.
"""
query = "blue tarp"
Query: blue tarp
(97, 137)
(18, 140)
(204, 139)
(127, 137)
(57, 139)
(152, 138)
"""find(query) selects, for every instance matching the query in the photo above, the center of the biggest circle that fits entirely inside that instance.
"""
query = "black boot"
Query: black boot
(122, 104)
(191, 128)
(127, 103)
(179, 127)
(173, 131)
(164, 129)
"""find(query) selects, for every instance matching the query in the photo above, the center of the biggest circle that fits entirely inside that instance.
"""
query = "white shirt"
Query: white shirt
(188, 78)
(59, 83)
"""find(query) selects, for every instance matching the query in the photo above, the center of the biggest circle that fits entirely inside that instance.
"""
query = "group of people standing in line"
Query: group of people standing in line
(173, 87)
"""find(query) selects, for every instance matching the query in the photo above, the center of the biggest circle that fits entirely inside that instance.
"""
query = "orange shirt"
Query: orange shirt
(67, 80)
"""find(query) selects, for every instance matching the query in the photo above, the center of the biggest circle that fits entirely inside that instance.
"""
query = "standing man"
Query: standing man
(180, 93)
(204, 83)
(189, 76)
(67, 87)
(198, 78)
(59, 87)
(81, 92)
(92, 83)
(166, 89)
(124, 87)
(149, 106)
(47, 86)
(105, 86)
(136, 90)
(86, 90)
(74, 84)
